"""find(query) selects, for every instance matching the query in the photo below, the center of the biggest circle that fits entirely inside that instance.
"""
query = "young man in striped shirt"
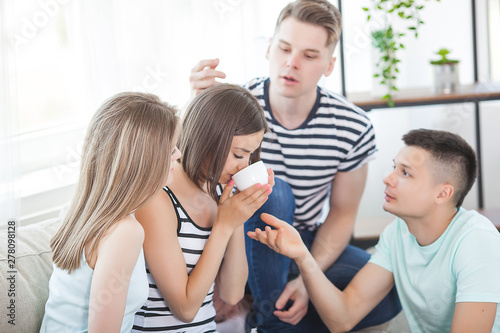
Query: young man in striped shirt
(319, 146)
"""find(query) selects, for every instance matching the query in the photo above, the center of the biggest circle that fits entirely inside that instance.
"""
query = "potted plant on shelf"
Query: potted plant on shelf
(445, 73)
(388, 40)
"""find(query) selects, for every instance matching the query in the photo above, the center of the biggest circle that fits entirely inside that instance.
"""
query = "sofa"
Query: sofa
(25, 291)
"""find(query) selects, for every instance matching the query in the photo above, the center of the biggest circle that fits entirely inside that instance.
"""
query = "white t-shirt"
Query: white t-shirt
(463, 265)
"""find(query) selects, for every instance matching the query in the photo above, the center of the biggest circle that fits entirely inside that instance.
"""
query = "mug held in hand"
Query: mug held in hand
(252, 174)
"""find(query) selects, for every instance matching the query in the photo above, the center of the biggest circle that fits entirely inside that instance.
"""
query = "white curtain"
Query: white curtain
(9, 207)
(62, 58)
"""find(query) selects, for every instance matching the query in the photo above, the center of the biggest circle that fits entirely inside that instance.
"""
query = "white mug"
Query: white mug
(252, 174)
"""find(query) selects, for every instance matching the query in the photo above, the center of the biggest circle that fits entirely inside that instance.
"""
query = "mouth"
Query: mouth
(388, 197)
(230, 176)
(289, 79)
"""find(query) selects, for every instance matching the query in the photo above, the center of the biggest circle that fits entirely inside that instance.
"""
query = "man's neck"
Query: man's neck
(291, 112)
(427, 229)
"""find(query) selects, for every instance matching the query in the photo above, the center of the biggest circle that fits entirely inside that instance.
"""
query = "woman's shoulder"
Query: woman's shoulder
(157, 210)
(127, 229)
(125, 233)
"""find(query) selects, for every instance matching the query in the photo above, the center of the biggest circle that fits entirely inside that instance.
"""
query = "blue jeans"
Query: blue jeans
(269, 272)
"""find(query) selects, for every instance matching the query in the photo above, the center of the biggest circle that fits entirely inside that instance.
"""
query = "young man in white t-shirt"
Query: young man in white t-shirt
(443, 259)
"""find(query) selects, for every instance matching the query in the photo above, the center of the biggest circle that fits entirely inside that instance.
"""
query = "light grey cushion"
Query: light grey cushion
(34, 267)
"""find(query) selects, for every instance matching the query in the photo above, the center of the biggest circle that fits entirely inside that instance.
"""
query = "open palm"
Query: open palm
(285, 239)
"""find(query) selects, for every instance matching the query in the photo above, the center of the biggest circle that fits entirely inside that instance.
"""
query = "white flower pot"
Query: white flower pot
(446, 79)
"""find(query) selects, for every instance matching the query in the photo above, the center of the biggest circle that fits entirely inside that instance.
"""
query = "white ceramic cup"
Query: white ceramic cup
(252, 174)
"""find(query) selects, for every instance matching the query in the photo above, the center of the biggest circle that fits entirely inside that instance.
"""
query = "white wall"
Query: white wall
(391, 124)
(454, 33)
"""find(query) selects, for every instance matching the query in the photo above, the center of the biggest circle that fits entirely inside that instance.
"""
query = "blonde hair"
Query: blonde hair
(125, 161)
(317, 12)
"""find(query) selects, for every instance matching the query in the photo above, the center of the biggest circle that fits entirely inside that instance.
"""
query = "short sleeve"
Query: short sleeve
(362, 151)
(382, 255)
(477, 267)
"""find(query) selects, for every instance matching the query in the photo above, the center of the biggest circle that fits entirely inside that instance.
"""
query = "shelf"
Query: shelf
(472, 93)
(424, 96)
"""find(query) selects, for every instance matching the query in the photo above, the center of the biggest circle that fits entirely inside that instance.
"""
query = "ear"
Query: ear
(445, 194)
(331, 64)
(269, 48)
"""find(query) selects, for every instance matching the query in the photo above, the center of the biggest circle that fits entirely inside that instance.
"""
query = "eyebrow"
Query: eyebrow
(307, 50)
(406, 166)
(243, 149)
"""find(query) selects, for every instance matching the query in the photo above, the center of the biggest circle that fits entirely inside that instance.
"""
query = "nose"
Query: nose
(389, 179)
(242, 165)
(293, 60)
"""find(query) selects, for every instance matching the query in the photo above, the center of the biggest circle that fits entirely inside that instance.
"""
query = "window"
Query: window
(43, 96)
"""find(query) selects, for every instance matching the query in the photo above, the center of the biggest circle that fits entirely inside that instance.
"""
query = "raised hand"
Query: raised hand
(203, 75)
(285, 239)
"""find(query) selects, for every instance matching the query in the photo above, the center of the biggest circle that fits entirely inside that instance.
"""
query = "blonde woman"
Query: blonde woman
(99, 280)
(193, 237)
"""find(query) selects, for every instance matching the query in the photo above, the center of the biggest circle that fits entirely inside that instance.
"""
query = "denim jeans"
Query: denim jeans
(269, 272)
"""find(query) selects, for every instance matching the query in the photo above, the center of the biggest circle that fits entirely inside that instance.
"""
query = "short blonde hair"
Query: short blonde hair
(317, 12)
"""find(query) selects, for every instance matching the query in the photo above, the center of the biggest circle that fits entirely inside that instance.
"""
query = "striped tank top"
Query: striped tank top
(155, 315)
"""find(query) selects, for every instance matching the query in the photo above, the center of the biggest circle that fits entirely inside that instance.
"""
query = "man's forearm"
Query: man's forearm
(327, 299)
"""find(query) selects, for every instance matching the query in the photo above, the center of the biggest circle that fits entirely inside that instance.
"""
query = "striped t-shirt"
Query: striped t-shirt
(155, 315)
(336, 136)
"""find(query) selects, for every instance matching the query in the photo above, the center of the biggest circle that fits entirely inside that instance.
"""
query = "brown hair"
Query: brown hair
(125, 161)
(211, 121)
(455, 159)
(317, 12)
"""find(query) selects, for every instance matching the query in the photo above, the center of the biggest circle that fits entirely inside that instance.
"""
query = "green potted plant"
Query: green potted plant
(445, 72)
(386, 43)
(388, 40)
